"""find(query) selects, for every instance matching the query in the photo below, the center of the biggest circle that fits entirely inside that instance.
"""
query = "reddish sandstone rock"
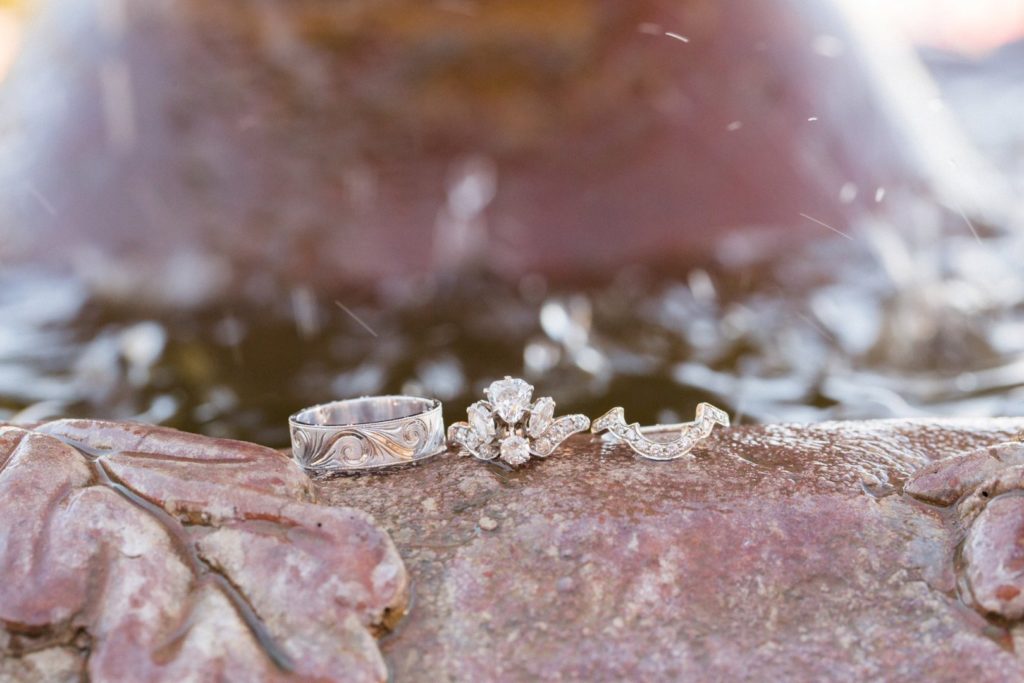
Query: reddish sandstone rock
(945, 481)
(986, 485)
(133, 553)
(781, 553)
(994, 557)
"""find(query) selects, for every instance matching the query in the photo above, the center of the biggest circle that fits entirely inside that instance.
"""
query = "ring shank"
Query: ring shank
(366, 410)
(659, 428)
(367, 433)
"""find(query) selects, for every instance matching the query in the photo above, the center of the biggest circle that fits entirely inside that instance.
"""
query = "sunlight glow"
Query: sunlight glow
(969, 26)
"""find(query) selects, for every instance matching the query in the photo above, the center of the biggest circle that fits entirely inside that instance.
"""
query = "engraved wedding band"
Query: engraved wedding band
(510, 427)
(690, 433)
(367, 433)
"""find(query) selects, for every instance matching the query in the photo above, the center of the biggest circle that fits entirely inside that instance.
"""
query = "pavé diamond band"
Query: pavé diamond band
(509, 427)
(690, 433)
(367, 433)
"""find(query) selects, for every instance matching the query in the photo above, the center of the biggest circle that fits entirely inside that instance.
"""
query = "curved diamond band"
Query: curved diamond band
(367, 433)
(509, 427)
(690, 433)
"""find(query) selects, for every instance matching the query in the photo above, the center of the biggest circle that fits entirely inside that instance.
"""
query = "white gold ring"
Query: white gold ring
(690, 433)
(509, 427)
(367, 433)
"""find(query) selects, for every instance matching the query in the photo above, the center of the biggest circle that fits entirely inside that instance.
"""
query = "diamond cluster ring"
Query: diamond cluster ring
(690, 433)
(509, 427)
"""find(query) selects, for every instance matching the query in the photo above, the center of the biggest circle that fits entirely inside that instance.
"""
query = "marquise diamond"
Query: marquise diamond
(481, 420)
(542, 416)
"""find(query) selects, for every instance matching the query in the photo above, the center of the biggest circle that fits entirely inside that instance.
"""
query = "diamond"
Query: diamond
(608, 420)
(488, 451)
(661, 449)
(515, 450)
(713, 414)
(481, 420)
(542, 416)
(510, 398)
(461, 434)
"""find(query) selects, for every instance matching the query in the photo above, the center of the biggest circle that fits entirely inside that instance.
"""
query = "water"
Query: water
(911, 316)
(906, 320)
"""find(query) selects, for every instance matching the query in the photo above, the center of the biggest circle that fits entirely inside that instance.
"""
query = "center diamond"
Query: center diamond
(510, 398)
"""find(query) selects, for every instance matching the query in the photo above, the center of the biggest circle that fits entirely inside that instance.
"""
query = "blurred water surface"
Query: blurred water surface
(893, 322)
(909, 315)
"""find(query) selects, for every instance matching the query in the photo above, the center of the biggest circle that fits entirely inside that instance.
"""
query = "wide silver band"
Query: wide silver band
(367, 433)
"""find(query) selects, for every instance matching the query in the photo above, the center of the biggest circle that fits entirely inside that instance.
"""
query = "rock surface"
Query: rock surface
(781, 553)
(986, 485)
(135, 553)
(841, 551)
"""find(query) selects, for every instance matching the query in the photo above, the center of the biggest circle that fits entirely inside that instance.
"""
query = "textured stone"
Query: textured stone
(779, 553)
(994, 557)
(140, 553)
(945, 481)
(986, 485)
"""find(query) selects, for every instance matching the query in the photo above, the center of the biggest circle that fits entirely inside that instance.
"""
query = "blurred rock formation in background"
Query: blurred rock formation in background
(175, 151)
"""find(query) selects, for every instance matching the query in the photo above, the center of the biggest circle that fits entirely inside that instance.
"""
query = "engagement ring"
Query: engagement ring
(509, 427)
